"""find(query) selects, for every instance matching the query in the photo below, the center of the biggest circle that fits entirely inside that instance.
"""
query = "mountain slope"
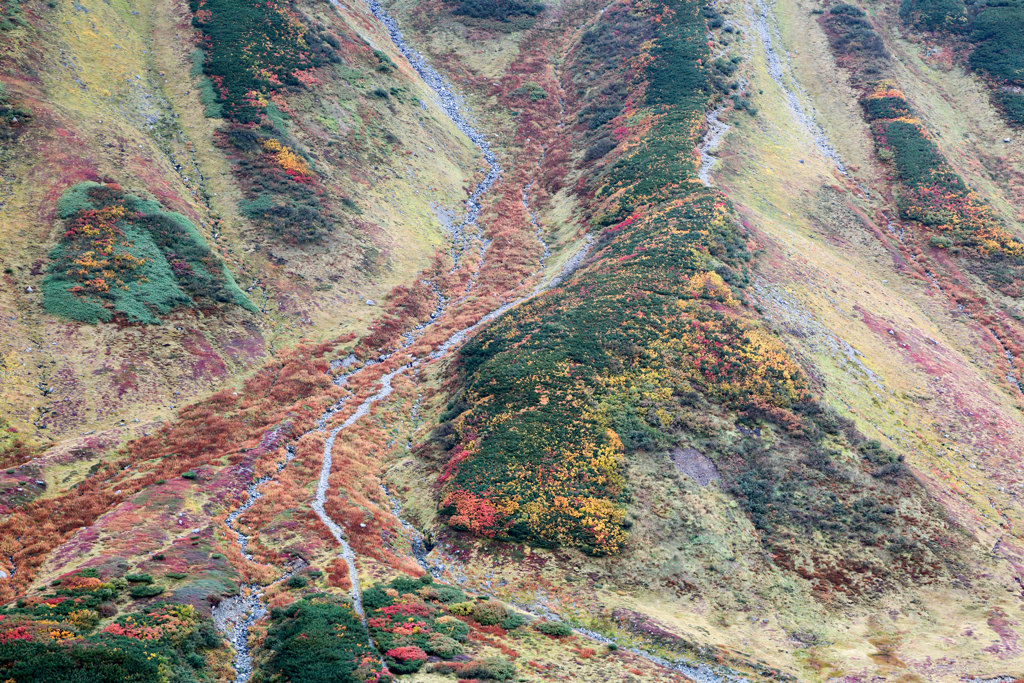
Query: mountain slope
(694, 328)
(112, 95)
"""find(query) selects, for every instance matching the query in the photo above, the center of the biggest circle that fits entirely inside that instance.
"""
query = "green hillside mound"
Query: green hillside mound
(124, 255)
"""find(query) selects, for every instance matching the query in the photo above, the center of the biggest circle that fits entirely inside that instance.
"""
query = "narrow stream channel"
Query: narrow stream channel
(236, 615)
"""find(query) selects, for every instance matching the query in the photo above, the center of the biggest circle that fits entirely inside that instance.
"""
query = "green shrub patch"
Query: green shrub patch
(934, 15)
(999, 42)
(994, 29)
(253, 49)
(318, 639)
(280, 191)
(932, 192)
(499, 10)
(49, 639)
(13, 117)
(121, 254)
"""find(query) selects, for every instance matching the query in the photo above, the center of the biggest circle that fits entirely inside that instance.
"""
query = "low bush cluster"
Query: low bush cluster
(487, 669)
(121, 254)
(931, 191)
(281, 193)
(320, 638)
(14, 118)
(498, 10)
(852, 37)
(138, 578)
(555, 629)
(253, 49)
(145, 591)
(50, 639)
(404, 623)
(934, 15)
(411, 621)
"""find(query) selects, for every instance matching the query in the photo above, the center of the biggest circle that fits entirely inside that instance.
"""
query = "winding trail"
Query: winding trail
(717, 130)
(536, 224)
(236, 615)
(322, 485)
(453, 107)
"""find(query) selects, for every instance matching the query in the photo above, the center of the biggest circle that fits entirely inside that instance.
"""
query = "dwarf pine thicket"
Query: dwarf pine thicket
(121, 254)
(252, 53)
(930, 192)
(52, 637)
(559, 391)
(410, 621)
(993, 29)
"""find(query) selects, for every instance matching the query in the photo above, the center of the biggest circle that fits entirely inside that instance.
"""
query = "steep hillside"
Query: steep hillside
(325, 205)
(491, 340)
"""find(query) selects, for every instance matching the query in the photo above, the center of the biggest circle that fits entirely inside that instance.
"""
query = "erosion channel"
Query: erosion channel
(235, 616)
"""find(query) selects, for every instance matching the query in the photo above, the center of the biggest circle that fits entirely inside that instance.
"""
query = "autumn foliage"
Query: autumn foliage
(220, 426)
(540, 449)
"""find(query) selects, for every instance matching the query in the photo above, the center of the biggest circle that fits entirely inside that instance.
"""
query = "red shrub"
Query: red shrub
(408, 653)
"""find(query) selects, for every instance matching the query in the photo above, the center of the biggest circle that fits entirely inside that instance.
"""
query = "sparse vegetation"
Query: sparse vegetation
(11, 16)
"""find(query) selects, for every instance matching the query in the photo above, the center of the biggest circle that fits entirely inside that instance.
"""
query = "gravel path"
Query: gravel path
(454, 108)
(712, 139)
(236, 615)
(536, 225)
(323, 485)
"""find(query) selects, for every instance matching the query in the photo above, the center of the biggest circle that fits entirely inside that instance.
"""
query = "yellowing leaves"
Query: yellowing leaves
(564, 520)
(711, 285)
(291, 162)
